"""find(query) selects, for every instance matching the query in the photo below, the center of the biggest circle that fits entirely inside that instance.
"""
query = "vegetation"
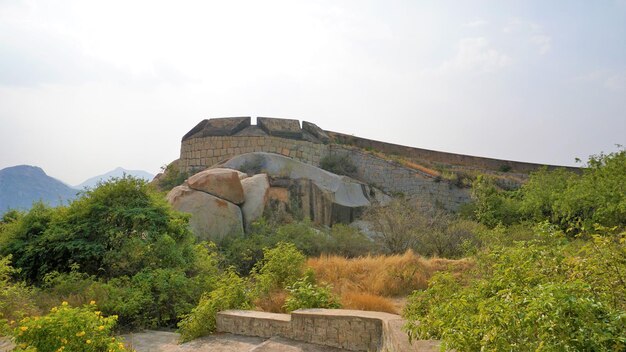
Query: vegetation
(231, 292)
(304, 293)
(541, 267)
(171, 176)
(119, 244)
(338, 164)
(81, 329)
(550, 275)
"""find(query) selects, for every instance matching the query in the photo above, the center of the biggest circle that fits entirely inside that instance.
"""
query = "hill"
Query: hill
(118, 172)
(22, 185)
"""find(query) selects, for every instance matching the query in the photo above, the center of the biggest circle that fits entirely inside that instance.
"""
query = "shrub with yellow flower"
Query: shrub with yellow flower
(67, 328)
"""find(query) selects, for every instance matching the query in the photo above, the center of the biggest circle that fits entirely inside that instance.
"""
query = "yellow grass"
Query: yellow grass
(365, 282)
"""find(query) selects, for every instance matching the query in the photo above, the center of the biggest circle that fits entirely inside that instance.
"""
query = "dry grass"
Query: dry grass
(366, 282)
(368, 301)
(272, 302)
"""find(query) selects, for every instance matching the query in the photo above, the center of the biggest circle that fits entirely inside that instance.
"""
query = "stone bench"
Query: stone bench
(352, 330)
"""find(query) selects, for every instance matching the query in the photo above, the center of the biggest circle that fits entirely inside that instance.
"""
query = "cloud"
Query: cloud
(613, 80)
(476, 23)
(475, 55)
(543, 42)
(530, 31)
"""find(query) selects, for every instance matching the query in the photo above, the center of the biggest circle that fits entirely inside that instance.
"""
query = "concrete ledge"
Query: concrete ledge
(351, 330)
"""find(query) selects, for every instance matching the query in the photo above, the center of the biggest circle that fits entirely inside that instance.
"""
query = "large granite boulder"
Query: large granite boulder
(322, 196)
(222, 183)
(212, 218)
(255, 191)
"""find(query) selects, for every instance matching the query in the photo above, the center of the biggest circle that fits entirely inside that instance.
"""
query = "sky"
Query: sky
(87, 86)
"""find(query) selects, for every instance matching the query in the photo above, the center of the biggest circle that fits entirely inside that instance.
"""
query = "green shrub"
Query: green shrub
(304, 293)
(338, 164)
(244, 252)
(16, 299)
(231, 292)
(531, 296)
(172, 176)
(348, 242)
(68, 329)
(281, 266)
(119, 228)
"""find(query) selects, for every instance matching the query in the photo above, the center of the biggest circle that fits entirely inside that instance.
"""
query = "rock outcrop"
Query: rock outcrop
(222, 183)
(255, 190)
(212, 218)
(225, 201)
(322, 196)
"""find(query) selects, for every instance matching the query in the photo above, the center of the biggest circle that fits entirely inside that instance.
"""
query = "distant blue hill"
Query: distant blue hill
(22, 185)
(118, 172)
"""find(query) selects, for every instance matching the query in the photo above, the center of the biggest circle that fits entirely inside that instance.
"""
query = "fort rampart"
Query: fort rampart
(215, 140)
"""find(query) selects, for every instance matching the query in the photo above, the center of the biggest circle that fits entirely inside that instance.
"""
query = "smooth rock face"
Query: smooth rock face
(255, 192)
(212, 218)
(323, 196)
(222, 183)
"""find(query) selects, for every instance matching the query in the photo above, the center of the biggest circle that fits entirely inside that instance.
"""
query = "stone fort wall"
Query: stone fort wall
(215, 140)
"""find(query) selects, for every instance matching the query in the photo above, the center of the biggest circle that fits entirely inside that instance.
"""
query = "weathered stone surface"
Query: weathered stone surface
(255, 192)
(285, 128)
(223, 183)
(251, 131)
(315, 131)
(323, 196)
(351, 330)
(226, 126)
(212, 218)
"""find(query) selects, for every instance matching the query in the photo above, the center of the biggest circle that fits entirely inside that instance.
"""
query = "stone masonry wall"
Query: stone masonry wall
(346, 329)
(393, 178)
(200, 153)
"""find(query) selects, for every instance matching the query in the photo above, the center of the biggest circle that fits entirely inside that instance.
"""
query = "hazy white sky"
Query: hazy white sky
(88, 86)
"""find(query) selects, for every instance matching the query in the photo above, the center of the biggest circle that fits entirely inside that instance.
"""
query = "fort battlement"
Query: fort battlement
(214, 140)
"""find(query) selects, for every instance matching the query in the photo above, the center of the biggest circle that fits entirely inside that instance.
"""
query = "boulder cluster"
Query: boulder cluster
(226, 199)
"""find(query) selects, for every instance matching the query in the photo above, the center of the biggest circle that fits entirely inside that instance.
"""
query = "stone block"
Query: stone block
(227, 126)
(285, 128)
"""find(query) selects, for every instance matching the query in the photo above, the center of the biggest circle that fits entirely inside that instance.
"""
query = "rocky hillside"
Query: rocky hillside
(22, 185)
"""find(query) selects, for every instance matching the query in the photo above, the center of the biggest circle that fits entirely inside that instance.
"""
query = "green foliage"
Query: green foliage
(120, 244)
(281, 266)
(16, 299)
(348, 242)
(231, 292)
(574, 201)
(245, 251)
(81, 329)
(119, 228)
(337, 164)
(492, 206)
(529, 296)
(304, 293)
(172, 176)
(402, 225)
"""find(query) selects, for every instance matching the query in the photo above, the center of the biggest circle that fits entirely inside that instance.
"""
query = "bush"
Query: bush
(16, 299)
(529, 296)
(281, 266)
(119, 228)
(231, 292)
(304, 293)
(70, 329)
(171, 176)
(340, 165)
